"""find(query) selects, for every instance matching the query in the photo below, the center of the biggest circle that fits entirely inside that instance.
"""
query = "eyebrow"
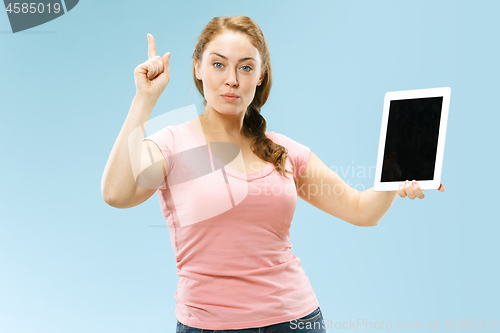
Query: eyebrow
(243, 59)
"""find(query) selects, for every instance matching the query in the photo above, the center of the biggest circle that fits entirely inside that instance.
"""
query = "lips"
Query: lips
(230, 95)
(229, 98)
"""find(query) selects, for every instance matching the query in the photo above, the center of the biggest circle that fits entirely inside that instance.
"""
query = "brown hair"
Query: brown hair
(264, 147)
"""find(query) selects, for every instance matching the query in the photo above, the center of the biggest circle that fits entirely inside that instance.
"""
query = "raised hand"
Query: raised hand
(152, 76)
(412, 190)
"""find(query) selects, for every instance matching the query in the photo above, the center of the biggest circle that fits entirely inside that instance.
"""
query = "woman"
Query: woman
(231, 237)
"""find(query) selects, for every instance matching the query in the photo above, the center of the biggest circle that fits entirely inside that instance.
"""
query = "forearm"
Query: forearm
(118, 179)
(373, 205)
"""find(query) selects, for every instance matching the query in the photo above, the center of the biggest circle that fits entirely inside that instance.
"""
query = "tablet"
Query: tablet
(411, 144)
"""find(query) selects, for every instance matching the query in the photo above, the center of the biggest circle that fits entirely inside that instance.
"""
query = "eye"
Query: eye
(249, 68)
(216, 63)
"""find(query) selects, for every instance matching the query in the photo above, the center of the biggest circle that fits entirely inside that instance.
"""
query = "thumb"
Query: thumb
(165, 59)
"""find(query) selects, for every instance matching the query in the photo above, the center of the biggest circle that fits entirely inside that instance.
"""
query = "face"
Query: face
(229, 64)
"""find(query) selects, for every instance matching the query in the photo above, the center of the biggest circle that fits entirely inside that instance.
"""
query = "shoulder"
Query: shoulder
(297, 154)
(285, 141)
(171, 138)
(168, 131)
(276, 137)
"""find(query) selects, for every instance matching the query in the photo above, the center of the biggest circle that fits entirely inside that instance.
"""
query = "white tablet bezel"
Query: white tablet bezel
(411, 94)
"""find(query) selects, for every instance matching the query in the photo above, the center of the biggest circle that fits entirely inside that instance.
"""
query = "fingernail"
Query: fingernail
(414, 182)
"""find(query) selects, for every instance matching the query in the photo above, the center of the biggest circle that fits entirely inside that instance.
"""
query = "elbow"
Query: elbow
(370, 223)
(363, 223)
(367, 223)
(107, 193)
(110, 199)
(114, 203)
(113, 197)
(363, 220)
(120, 202)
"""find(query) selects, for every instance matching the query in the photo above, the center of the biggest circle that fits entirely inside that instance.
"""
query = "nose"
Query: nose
(231, 79)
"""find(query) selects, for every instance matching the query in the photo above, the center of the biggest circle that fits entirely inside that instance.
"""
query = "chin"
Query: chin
(226, 108)
(231, 109)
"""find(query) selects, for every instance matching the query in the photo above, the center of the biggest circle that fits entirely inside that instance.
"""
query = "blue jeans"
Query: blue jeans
(311, 323)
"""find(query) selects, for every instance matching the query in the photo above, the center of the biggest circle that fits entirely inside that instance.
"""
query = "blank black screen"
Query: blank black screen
(411, 140)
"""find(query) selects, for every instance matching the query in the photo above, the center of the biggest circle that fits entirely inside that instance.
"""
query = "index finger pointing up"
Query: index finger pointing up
(151, 47)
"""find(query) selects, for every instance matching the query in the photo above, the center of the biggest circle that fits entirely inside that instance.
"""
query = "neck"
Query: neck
(226, 124)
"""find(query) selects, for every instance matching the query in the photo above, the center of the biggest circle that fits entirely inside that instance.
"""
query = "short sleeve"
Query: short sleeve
(165, 141)
(298, 153)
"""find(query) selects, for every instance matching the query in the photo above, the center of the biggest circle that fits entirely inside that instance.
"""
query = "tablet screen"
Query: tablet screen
(411, 139)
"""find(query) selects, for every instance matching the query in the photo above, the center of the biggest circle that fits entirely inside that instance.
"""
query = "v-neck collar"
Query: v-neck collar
(247, 176)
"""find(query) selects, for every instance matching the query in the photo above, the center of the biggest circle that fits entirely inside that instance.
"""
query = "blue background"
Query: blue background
(71, 263)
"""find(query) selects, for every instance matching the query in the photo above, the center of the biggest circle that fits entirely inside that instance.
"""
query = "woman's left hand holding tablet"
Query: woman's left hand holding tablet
(412, 190)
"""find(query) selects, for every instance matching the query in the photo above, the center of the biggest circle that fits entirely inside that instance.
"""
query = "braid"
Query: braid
(262, 146)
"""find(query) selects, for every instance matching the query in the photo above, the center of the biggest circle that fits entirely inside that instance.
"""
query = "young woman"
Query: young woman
(229, 226)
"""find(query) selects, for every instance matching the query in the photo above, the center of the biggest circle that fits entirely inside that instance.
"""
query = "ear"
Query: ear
(197, 70)
(260, 80)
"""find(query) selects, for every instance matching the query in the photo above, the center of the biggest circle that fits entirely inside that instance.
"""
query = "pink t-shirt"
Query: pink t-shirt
(230, 235)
